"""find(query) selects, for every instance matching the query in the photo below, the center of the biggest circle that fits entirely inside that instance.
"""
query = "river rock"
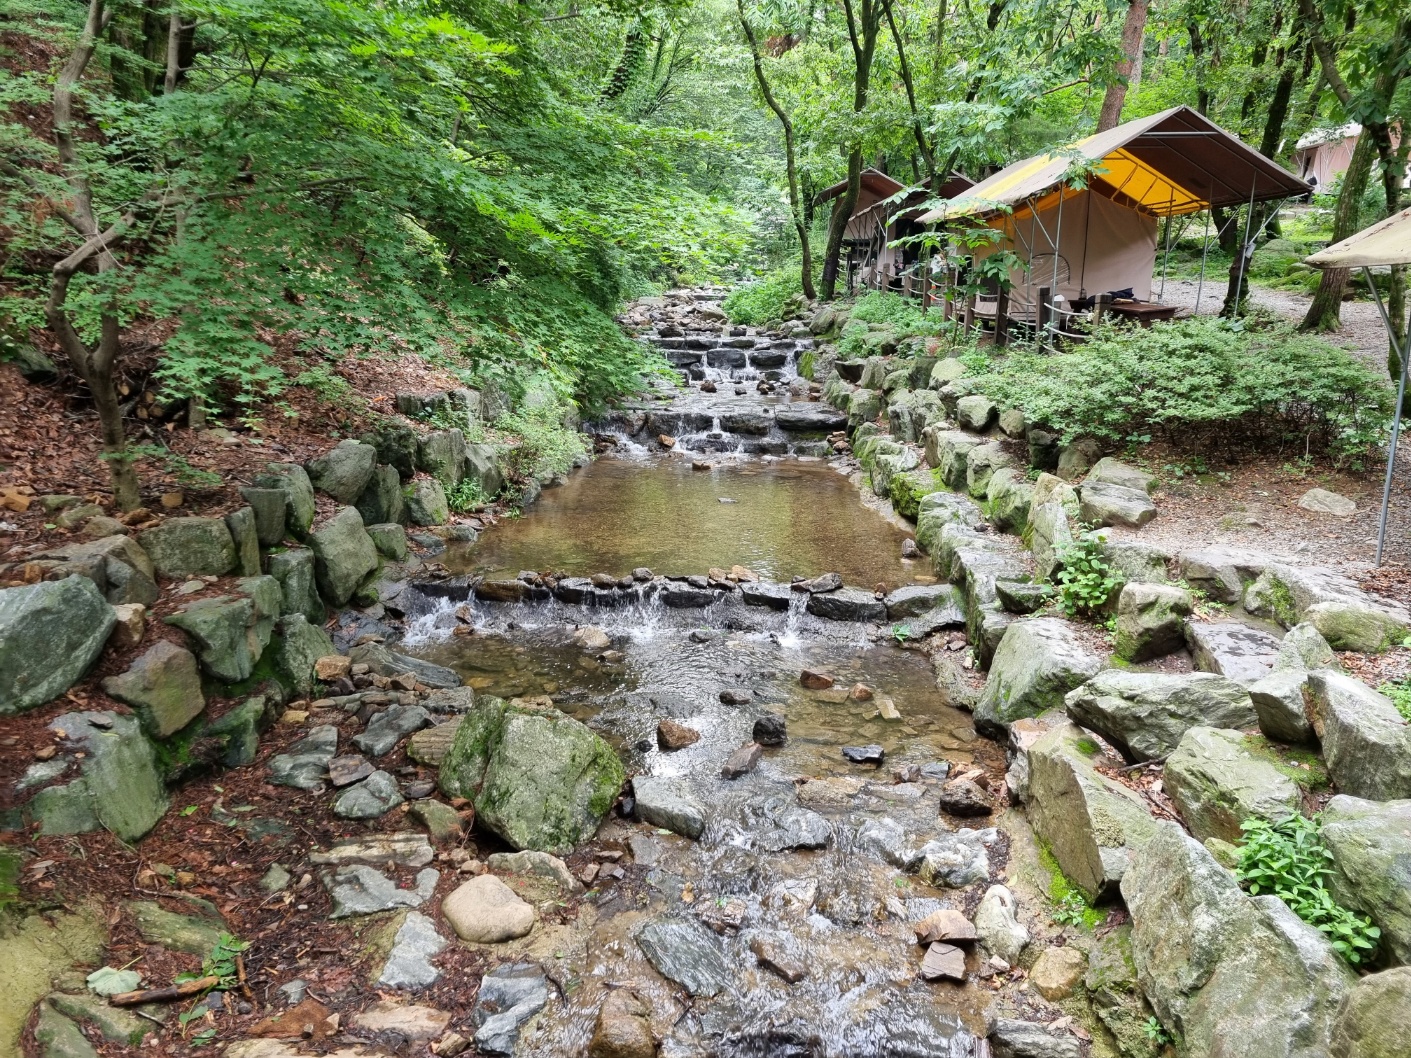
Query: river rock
(408, 964)
(808, 418)
(485, 910)
(358, 889)
(120, 781)
(961, 797)
(1243, 653)
(50, 633)
(1218, 965)
(343, 555)
(375, 796)
(300, 506)
(1217, 784)
(686, 952)
(389, 727)
(1144, 714)
(1366, 742)
(1090, 822)
(304, 765)
(536, 865)
(847, 604)
(917, 599)
(779, 824)
(344, 471)
(1011, 1038)
(190, 547)
(956, 860)
(943, 962)
(668, 803)
(673, 736)
(294, 570)
(508, 997)
(1151, 620)
(1039, 660)
(771, 729)
(1278, 703)
(163, 686)
(1057, 971)
(384, 662)
(1371, 871)
(1373, 1019)
(743, 761)
(869, 754)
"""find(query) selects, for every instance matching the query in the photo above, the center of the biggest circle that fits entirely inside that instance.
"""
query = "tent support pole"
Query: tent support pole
(1395, 419)
(1204, 252)
(1246, 248)
(1166, 258)
(1050, 325)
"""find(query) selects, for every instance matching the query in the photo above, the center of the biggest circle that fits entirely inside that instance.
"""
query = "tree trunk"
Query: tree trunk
(916, 127)
(838, 226)
(1133, 29)
(863, 26)
(173, 51)
(1325, 314)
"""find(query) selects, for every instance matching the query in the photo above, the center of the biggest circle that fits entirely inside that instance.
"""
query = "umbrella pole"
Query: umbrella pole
(1204, 252)
(1395, 419)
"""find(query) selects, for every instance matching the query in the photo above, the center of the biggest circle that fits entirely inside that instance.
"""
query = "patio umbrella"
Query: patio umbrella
(1387, 242)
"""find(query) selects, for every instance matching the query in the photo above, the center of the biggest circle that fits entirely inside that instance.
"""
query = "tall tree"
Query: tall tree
(1133, 30)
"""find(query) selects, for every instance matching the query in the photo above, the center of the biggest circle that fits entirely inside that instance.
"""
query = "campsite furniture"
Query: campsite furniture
(1387, 242)
(1098, 217)
(1144, 312)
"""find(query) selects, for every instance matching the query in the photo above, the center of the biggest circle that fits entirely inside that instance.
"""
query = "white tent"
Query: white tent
(1385, 243)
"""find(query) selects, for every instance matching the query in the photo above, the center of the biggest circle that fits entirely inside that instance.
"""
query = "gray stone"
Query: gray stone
(981, 464)
(975, 413)
(1103, 504)
(50, 633)
(294, 570)
(1371, 870)
(269, 507)
(1023, 597)
(939, 509)
(381, 502)
(668, 803)
(343, 555)
(779, 824)
(913, 600)
(956, 860)
(1221, 573)
(1011, 496)
(1346, 616)
(385, 662)
(409, 962)
(298, 646)
(63, 810)
(406, 848)
(1116, 994)
(396, 444)
(1089, 821)
(485, 910)
(442, 822)
(239, 729)
(245, 536)
(1049, 532)
(389, 727)
(808, 418)
(194, 934)
(1372, 1021)
(1321, 501)
(58, 1037)
(1278, 703)
(116, 564)
(119, 771)
(539, 865)
(1238, 651)
(998, 926)
(1218, 784)
(344, 471)
(299, 504)
(1076, 459)
(1011, 1038)
(390, 540)
(442, 454)
(305, 764)
(1039, 660)
(426, 502)
(1108, 471)
(847, 604)
(1151, 620)
(375, 796)
(190, 547)
(220, 629)
(1219, 966)
(482, 464)
(114, 1023)
(1145, 714)
(1304, 648)
(163, 686)
(508, 997)
(1366, 742)
(948, 451)
(686, 952)
(361, 890)
(1133, 560)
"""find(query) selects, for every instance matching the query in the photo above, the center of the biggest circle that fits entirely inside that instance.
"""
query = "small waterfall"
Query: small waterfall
(790, 638)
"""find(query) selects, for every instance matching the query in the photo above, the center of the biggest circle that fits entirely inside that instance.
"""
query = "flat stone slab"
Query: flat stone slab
(1239, 651)
(668, 803)
(363, 890)
(409, 963)
(686, 952)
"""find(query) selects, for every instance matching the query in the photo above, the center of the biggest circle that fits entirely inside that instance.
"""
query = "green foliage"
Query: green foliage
(1086, 580)
(540, 445)
(1155, 1033)
(1399, 691)
(468, 495)
(901, 633)
(769, 300)
(1201, 383)
(1289, 860)
(1070, 906)
(1072, 910)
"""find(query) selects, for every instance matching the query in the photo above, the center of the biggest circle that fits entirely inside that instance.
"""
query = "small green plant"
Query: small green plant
(1290, 861)
(177, 465)
(1070, 911)
(222, 963)
(1086, 580)
(1399, 691)
(901, 633)
(466, 496)
(1155, 1033)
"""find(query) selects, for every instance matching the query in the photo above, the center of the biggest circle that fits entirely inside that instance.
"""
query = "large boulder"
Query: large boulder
(189, 547)
(442, 455)
(1371, 871)
(163, 686)
(1278, 703)
(226, 633)
(245, 534)
(847, 604)
(1218, 784)
(343, 555)
(1374, 1016)
(49, 634)
(1103, 504)
(1346, 616)
(1151, 620)
(1116, 994)
(343, 471)
(1039, 660)
(948, 451)
(1145, 714)
(298, 646)
(939, 509)
(1109, 471)
(1090, 822)
(299, 504)
(1366, 742)
(116, 564)
(1222, 573)
(426, 502)
(1227, 974)
(381, 501)
(1011, 495)
(540, 780)
(119, 777)
(1050, 531)
(294, 570)
(1231, 648)
(981, 464)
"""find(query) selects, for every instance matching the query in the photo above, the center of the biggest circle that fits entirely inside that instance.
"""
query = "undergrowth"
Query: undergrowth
(1086, 580)
(1399, 691)
(770, 300)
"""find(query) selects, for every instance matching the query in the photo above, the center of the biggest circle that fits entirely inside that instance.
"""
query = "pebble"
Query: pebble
(743, 761)
(673, 736)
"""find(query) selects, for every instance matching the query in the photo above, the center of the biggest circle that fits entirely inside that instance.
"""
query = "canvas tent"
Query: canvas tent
(1385, 243)
(1322, 154)
(1090, 240)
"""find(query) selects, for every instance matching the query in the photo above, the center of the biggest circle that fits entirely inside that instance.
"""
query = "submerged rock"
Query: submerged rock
(686, 952)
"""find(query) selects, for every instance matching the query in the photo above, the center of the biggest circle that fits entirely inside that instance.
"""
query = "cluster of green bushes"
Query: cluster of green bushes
(770, 300)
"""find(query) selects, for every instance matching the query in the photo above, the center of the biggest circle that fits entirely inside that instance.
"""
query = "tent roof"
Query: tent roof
(1320, 136)
(883, 186)
(1171, 163)
(1387, 242)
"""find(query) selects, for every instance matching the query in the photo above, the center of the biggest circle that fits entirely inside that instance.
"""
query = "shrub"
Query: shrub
(1289, 860)
(1086, 581)
(1201, 382)
(768, 301)
(542, 444)
(1399, 691)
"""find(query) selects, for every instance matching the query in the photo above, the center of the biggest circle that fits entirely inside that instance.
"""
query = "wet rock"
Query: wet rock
(956, 860)
(943, 962)
(485, 910)
(120, 785)
(343, 555)
(808, 418)
(1039, 660)
(1218, 965)
(824, 582)
(847, 604)
(385, 662)
(190, 547)
(1371, 871)
(772, 596)
(736, 696)
(743, 761)
(508, 997)
(409, 963)
(946, 925)
(305, 764)
(997, 924)
(684, 951)
(1151, 620)
(1229, 648)
(1010, 1038)
(375, 796)
(815, 681)
(1057, 972)
(623, 1029)
(1372, 1021)
(1217, 784)
(683, 597)
(1145, 714)
(887, 838)
(1278, 703)
(917, 599)
(673, 736)
(164, 688)
(779, 824)
(1089, 821)
(771, 729)
(389, 727)
(961, 797)
(538, 865)
(49, 635)
(1366, 742)
(871, 754)
(668, 803)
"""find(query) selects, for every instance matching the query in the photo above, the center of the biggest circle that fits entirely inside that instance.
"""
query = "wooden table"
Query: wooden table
(1144, 312)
